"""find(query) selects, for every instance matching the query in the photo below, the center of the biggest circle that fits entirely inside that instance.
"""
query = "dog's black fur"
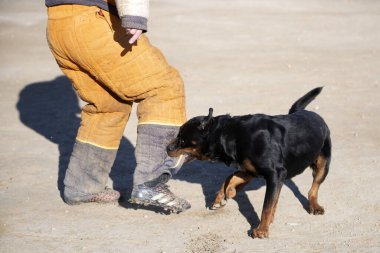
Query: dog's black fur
(274, 147)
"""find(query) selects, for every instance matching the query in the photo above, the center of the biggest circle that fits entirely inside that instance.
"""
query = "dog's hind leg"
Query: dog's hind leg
(320, 169)
(233, 184)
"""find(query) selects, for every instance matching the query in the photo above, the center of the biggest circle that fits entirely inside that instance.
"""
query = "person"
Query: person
(102, 48)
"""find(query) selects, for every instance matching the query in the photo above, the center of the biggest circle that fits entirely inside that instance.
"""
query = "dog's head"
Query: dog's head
(191, 137)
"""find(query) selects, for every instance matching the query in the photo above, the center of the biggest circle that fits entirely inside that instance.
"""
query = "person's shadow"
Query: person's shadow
(51, 109)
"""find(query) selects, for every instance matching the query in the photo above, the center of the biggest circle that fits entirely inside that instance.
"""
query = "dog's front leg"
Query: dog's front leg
(220, 200)
(233, 184)
(274, 185)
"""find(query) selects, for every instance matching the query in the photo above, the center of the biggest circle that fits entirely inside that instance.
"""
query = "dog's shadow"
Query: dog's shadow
(212, 175)
(51, 109)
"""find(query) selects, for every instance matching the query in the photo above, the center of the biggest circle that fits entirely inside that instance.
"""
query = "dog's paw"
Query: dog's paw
(230, 192)
(218, 204)
(316, 209)
(260, 233)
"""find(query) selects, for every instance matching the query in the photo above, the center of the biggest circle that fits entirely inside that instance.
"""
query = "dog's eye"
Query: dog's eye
(182, 142)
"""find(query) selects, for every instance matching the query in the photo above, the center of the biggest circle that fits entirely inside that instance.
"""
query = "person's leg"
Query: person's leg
(103, 118)
(161, 111)
(102, 125)
(137, 73)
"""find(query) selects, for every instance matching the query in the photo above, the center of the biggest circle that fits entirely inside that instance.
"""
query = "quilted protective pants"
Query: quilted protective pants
(92, 50)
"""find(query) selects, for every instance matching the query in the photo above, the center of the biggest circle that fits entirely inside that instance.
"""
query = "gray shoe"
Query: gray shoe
(87, 175)
(160, 196)
(104, 197)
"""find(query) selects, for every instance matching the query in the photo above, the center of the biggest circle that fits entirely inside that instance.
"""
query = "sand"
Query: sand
(238, 57)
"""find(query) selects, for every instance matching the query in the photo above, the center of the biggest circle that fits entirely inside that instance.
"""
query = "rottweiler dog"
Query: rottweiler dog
(273, 147)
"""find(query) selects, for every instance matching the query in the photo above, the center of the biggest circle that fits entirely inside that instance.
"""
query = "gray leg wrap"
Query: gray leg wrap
(151, 156)
(88, 172)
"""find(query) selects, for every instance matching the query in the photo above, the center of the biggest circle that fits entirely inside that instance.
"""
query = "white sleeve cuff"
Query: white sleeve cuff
(133, 8)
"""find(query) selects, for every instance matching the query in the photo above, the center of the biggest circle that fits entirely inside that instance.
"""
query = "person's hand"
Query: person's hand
(136, 34)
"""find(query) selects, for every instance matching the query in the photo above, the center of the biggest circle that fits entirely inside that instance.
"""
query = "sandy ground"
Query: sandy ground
(237, 56)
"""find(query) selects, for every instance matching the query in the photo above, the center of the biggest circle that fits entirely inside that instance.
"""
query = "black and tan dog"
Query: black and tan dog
(273, 147)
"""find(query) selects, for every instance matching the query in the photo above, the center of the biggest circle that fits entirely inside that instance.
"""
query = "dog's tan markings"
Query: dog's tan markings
(319, 168)
(178, 152)
(175, 153)
(267, 217)
(262, 231)
(195, 152)
(219, 201)
(237, 182)
(199, 155)
(273, 212)
(248, 166)
(233, 184)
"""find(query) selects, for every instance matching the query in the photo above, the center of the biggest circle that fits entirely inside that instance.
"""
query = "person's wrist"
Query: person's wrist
(135, 22)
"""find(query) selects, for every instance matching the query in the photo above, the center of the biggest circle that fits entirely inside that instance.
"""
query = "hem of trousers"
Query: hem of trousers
(97, 145)
(159, 123)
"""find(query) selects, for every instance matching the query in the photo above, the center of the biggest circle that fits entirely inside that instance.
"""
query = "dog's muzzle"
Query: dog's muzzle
(173, 150)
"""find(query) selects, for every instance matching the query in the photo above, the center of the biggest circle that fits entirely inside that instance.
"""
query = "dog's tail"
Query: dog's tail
(301, 103)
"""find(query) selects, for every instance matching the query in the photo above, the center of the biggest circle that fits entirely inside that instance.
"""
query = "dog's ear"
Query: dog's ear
(210, 111)
(206, 121)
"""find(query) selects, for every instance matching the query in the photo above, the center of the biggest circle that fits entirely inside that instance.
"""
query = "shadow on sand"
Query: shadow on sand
(51, 109)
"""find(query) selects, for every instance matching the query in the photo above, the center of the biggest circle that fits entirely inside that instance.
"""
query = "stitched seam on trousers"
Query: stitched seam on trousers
(103, 76)
(104, 18)
(80, 89)
(96, 69)
(63, 59)
(153, 91)
(107, 79)
(97, 145)
(158, 123)
(78, 30)
(136, 80)
(95, 119)
(59, 47)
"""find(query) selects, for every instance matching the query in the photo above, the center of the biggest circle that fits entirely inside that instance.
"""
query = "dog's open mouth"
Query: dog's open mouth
(188, 157)
(189, 153)
(179, 152)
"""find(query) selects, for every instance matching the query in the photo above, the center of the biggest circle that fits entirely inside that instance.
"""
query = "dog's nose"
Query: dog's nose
(170, 147)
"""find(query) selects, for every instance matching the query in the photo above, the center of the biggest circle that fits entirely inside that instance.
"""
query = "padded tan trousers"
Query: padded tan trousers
(92, 50)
